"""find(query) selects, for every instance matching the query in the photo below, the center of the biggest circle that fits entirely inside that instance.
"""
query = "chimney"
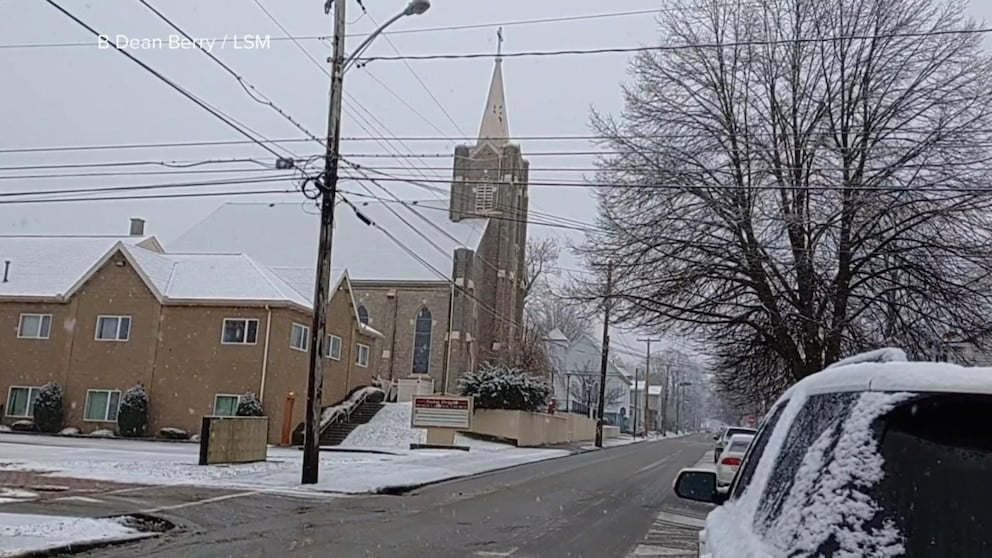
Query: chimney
(6, 270)
(137, 227)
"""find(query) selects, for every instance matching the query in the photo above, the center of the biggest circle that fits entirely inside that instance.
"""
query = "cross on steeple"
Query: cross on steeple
(499, 44)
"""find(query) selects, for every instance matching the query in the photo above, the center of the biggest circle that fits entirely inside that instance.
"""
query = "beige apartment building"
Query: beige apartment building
(98, 315)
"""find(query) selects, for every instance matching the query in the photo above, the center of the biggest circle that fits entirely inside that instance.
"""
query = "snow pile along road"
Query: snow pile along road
(22, 533)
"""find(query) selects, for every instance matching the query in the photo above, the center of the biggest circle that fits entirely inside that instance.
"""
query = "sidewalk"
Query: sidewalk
(162, 463)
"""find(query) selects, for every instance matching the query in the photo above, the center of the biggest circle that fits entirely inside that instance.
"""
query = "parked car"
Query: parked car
(730, 459)
(721, 440)
(862, 459)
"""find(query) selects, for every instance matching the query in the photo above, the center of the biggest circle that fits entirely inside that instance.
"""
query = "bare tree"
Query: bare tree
(540, 258)
(583, 388)
(800, 180)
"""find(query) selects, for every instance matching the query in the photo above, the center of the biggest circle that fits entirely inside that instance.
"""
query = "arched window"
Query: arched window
(363, 314)
(422, 342)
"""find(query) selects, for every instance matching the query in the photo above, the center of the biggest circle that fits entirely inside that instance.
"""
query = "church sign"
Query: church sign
(442, 411)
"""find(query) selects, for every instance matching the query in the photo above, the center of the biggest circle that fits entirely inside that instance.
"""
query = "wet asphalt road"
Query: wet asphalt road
(598, 504)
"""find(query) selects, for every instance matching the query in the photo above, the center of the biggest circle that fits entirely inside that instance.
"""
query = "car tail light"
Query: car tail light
(731, 461)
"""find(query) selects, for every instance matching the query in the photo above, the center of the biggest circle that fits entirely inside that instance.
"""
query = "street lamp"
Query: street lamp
(327, 186)
(415, 7)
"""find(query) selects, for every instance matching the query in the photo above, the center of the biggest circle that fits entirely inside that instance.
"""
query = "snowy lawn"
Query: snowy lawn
(163, 463)
(21, 533)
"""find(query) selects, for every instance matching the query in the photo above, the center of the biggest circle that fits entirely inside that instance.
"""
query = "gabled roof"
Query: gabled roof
(584, 351)
(212, 277)
(50, 266)
(55, 267)
(284, 235)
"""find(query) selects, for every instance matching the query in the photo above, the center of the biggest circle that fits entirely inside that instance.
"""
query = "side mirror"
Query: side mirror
(698, 485)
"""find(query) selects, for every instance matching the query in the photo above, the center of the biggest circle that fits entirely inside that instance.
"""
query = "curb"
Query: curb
(400, 490)
(161, 526)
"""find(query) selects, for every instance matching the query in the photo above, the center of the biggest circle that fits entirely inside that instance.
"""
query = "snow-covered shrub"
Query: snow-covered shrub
(24, 426)
(48, 408)
(170, 433)
(194, 438)
(4, 428)
(102, 433)
(250, 406)
(132, 418)
(497, 386)
(69, 432)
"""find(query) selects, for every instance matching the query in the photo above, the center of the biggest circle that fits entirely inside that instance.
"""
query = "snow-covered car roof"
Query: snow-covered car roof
(896, 376)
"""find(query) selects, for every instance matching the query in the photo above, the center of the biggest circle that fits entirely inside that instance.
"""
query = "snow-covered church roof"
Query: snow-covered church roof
(284, 235)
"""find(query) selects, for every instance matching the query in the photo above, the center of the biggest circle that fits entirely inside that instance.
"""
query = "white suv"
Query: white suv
(865, 459)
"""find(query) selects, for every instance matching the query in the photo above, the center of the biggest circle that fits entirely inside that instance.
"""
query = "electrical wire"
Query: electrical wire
(202, 104)
(289, 37)
(663, 48)
(248, 88)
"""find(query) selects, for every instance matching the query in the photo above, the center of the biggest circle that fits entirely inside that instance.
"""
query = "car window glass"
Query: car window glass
(937, 453)
(738, 446)
(755, 450)
(819, 413)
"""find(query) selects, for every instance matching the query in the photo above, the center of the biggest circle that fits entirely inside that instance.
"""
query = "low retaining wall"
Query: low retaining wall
(533, 429)
(233, 440)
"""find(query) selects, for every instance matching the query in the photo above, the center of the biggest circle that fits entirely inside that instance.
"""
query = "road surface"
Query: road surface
(616, 502)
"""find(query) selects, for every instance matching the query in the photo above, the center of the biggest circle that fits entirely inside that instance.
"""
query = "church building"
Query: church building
(441, 281)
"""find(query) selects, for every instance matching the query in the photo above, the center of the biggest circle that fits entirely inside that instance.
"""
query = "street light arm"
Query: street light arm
(415, 7)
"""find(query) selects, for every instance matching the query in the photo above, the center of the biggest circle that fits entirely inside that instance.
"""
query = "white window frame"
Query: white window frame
(117, 336)
(330, 354)
(218, 396)
(305, 338)
(106, 411)
(223, 328)
(29, 410)
(359, 352)
(41, 321)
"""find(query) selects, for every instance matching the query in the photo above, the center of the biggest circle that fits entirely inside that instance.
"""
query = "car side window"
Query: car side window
(754, 452)
(818, 414)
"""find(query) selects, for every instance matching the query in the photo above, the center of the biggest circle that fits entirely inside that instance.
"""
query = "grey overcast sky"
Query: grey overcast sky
(83, 95)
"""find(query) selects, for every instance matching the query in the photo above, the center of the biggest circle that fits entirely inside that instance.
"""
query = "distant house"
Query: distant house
(576, 379)
(442, 280)
(98, 315)
(652, 402)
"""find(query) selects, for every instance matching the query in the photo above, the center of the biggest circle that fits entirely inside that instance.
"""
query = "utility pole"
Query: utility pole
(606, 355)
(328, 186)
(647, 383)
(665, 394)
(633, 426)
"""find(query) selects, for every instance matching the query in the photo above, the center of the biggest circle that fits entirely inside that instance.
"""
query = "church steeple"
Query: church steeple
(495, 129)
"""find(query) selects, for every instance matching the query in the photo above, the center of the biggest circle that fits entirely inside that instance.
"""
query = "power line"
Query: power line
(289, 37)
(153, 196)
(423, 85)
(202, 104)
(177, 172)
(248, 88)
(140, 187)
(550, 137)
(592, 184)
(663, 48)
(169, 164)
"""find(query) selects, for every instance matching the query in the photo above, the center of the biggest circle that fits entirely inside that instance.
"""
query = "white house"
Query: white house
(576, 376)
(653, 401)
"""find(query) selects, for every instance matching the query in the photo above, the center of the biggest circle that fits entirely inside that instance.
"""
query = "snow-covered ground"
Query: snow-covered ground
(390, 430)
(21, 533)
(162, 463)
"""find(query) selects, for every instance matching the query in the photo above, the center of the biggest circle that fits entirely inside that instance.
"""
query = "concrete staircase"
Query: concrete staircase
(336, 432)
